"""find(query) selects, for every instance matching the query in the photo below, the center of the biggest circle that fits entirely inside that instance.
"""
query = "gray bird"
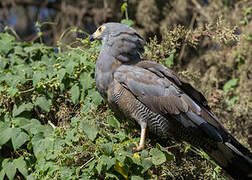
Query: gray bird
(160, 101)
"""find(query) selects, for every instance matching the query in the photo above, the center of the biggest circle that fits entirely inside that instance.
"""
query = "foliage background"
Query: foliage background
(55, 125)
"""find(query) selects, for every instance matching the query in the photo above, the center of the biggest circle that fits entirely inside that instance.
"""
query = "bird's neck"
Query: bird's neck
(105, 66)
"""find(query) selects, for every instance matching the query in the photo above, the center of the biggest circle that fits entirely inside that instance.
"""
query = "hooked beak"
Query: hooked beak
(91, 38)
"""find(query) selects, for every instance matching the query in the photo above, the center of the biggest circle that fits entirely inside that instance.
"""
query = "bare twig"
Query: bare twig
(184, 44)
(91, 159)
(28, 90)
(172, 146)
(14, 33)
(51, 124)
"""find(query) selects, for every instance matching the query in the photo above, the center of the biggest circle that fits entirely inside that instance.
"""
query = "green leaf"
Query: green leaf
(6, 43)
(75, 93)
(61, 74)
(136, 159)
(113, 122)
(91, 165)
(10, 169)
(20, 121)
(18, 138)
(12, 91)
(169, 156)
(2, 174)
(158, 157)
(249, 38)
(90, 130)
(146, 163)
(5, 135)
(35, 48)
(136, 178)
(23, 107)
(86, 81)
(3, 63)
(74, 121)
(99, 167)
(29, 125)
(70, 67)
(107, 148)
(127, 22)
(41, 145)
(144, 154)
(121, 155)
(31, 177)
(228, 86)
(37, 76)
(43, 103)
(4, 125)
(110, 163)
(111, 176)
(5, 161)
(170, 60)
(233, 100)
(121, 135)
(12, 80)
(1, 88)
(21, 166)
(95, 97)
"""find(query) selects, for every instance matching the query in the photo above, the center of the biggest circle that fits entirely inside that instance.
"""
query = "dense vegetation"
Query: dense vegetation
(55, 125)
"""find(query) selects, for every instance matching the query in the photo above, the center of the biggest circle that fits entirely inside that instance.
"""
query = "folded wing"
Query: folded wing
(158, 88)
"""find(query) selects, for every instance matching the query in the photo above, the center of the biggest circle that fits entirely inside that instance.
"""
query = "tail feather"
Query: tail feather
(234, 158)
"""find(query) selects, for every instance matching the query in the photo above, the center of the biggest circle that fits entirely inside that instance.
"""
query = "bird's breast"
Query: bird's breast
(105, 67)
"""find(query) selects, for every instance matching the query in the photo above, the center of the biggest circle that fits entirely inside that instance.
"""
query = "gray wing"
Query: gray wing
(163, 71)
(164, 93)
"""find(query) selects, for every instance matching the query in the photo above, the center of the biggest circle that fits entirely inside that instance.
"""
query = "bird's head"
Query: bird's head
(99, 33)
(111, 29)
(124, 42)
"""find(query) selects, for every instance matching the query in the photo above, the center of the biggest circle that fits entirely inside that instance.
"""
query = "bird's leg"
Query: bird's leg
(140, 147)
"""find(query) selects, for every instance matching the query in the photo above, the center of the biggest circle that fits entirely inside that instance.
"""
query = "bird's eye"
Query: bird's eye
(100, 29)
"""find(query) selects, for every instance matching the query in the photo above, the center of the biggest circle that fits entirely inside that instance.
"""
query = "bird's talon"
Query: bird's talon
(138, 148)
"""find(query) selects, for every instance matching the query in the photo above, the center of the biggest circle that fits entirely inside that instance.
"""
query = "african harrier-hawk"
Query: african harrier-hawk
(159, 100)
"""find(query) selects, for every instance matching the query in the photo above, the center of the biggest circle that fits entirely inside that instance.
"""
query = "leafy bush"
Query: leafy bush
(54, 123)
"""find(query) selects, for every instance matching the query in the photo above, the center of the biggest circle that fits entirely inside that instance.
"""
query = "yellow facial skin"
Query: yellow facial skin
(98, 32)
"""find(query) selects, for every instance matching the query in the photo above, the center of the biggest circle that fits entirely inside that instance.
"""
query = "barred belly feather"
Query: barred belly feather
(156, 123)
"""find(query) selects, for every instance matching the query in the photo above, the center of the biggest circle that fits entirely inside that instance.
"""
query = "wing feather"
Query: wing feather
(162, 91)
